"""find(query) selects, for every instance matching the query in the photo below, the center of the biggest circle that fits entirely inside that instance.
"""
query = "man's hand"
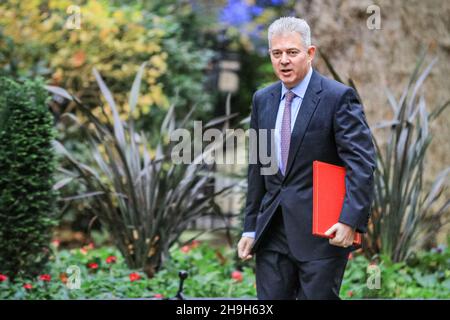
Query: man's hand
(344, 235)
(244, 247)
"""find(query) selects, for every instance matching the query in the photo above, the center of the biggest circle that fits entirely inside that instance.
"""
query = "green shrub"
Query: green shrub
(424, 275)
(26, 169)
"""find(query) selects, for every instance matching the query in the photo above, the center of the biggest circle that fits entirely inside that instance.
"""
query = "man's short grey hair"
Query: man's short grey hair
(290, 24)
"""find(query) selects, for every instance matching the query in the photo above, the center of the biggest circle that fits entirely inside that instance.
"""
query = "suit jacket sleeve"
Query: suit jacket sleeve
(256, 188)
(356, 149)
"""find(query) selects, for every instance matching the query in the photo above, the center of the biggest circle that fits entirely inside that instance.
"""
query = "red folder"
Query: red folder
(328, 198)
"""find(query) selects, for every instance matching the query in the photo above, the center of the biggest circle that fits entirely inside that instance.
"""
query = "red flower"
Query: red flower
(56, 243)
(78, 59)
(350, 293)
(195, 244)
(28, 286)
(350, 256)
(3, 277)
(185, 249)
(63, 277)
(134, 276)
(45, 277)
(93, 265)
(237, 275)
(111, 259)
(159, 296)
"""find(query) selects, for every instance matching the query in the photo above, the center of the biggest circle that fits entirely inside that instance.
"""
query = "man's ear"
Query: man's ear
(311, 52)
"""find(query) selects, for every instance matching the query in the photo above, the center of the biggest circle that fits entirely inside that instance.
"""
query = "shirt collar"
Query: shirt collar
(299, 89)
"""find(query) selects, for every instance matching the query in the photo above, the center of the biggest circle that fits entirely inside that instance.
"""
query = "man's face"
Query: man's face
(290, 59)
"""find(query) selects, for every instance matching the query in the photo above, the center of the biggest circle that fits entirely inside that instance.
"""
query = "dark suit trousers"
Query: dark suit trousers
(280, 276)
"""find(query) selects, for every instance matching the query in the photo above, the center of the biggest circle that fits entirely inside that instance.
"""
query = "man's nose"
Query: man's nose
(284, 58)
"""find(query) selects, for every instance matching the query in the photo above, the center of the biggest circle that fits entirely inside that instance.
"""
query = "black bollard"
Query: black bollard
(183, 275)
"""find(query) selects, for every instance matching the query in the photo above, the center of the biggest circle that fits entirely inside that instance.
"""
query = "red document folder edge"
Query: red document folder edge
(328, 198)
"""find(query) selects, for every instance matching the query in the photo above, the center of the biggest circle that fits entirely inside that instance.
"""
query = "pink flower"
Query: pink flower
(185, 249)
(159, 296)
(85, 249)
(45, 277)
(237, 276)
(350, 256)
(111, 259)
(93, 265)
(3, 277)
(134, 276)
(28, 286)
(350, 293)
(56, 243)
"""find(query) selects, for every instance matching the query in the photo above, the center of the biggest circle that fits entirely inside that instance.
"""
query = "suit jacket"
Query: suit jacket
(330, 127)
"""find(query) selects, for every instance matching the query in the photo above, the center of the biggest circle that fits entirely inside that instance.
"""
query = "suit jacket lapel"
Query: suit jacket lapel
(307, 108)
(273, 106)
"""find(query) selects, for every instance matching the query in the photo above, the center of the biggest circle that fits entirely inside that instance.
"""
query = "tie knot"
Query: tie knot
(290, 96)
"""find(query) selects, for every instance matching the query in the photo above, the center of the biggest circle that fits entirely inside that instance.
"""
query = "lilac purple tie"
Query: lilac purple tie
(285, 135)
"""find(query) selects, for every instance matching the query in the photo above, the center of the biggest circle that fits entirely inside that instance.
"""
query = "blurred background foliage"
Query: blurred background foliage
(108, 37)
(115, 38)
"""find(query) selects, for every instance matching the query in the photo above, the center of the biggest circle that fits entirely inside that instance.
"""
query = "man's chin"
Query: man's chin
(289, 83)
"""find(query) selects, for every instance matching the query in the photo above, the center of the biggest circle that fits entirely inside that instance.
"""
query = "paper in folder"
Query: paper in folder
(328, 198)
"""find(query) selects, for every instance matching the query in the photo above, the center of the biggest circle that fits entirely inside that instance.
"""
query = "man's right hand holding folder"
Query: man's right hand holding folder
(343, 235)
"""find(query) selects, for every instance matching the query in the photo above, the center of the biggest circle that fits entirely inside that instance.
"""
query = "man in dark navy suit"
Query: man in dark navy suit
(313, 118)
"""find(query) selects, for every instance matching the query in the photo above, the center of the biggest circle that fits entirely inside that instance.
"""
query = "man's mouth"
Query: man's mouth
(286, 72)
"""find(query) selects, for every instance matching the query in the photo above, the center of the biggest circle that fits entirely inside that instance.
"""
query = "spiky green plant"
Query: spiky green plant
(144, 201)
(405, 212)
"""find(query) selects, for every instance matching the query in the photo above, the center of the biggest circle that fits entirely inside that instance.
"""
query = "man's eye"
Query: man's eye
(293, 53)
(276, 54)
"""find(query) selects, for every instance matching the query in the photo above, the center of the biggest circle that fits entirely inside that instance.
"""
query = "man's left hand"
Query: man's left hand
(344, 235)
